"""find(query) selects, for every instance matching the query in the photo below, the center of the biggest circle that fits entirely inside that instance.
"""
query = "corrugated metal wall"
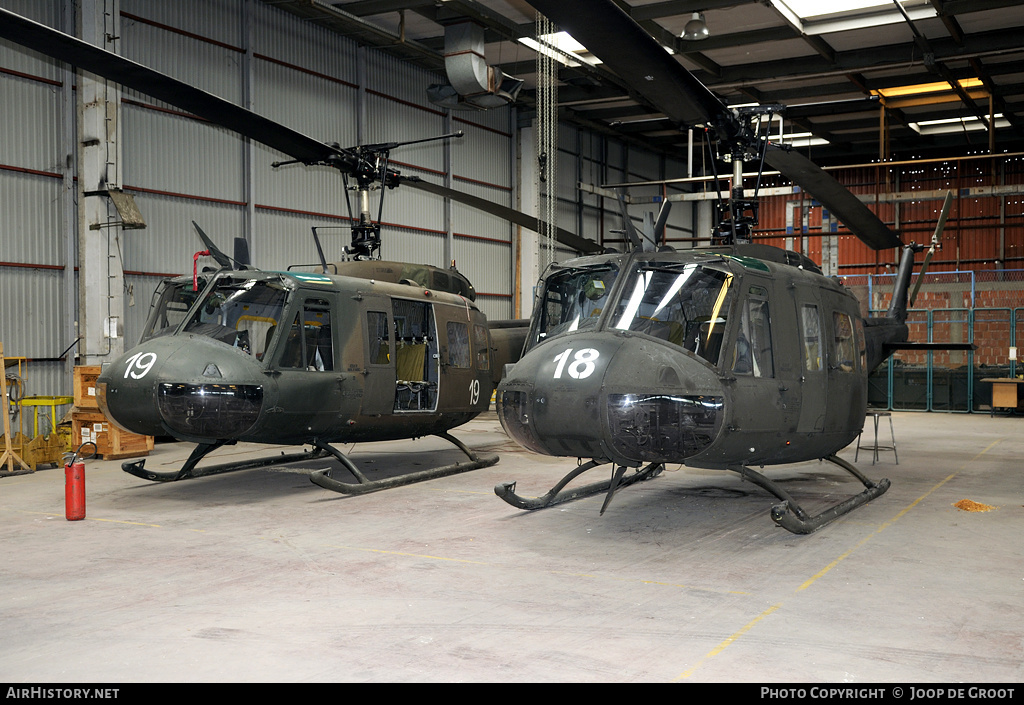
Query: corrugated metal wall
(34, 154)
(595, 160)
(983, 232)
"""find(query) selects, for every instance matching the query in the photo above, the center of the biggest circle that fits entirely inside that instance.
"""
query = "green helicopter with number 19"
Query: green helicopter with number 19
(364, 350)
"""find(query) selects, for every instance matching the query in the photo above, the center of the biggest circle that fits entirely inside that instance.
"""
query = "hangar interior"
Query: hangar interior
(901, 102)
(357, 73)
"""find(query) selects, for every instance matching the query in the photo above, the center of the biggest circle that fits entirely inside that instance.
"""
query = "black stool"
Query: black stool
(876, 414)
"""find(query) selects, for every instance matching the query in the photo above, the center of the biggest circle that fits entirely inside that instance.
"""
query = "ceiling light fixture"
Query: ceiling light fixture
(956, 124)
(936, 87)
(803, 139)
(696, 28)
(562, 47)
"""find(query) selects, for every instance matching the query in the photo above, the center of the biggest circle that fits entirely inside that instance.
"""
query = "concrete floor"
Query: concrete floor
(260, 575)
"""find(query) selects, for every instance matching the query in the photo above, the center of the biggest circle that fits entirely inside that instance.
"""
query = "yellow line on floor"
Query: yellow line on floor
(736, 635)
(743, 630)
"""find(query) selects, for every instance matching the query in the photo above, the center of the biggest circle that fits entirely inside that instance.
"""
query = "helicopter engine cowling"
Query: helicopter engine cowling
(619, 398)
(187, 386)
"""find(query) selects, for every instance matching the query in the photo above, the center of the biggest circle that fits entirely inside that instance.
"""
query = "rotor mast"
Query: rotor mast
(739, 216)
(369, 166)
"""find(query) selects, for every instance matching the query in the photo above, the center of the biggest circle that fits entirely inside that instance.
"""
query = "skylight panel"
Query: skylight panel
(816, 17)
(813, 9)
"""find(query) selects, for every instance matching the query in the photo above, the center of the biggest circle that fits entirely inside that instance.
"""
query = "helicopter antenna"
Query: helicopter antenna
(222, 259)
(632, 236)
(661, 223)
(320, 250)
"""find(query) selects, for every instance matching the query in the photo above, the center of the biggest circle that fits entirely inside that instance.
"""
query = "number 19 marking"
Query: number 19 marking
(142, 361)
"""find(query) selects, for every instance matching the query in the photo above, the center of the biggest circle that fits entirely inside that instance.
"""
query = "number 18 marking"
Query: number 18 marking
(582, 366)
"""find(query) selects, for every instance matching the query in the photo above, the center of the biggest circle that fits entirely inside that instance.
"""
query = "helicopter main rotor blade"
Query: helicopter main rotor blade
(114, 67)
(833, 195)
(570, 240)
(303, 148)
(635, 56)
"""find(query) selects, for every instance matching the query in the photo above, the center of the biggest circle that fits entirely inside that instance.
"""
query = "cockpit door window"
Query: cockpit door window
(752, 354)
(845, 345)
(308, 345)
(811, 326)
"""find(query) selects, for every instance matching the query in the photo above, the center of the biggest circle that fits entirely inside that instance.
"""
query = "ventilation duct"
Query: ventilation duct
(472, 83)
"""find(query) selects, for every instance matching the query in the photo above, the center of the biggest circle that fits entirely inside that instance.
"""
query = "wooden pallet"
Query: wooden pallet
(112, 443)
(8, 455)
(85, 387)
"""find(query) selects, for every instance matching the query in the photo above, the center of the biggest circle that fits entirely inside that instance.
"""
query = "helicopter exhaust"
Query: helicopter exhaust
(901, 289)
(898, 305)
(886, 334)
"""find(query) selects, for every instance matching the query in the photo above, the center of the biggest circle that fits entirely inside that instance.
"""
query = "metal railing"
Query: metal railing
(950, 381)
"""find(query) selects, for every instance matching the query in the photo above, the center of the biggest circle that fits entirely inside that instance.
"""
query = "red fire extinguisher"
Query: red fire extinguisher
(74, 484)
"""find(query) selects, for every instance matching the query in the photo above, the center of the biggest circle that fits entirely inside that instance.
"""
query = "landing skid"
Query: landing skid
(189, 469)
(364, 485)
(506, 490)
(791, 516)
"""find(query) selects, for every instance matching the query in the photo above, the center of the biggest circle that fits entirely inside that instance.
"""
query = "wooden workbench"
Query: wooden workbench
(1004, 392)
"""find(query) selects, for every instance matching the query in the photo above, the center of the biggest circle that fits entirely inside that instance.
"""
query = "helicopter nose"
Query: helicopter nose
(612, 397)
(550, 400)
(190, 387)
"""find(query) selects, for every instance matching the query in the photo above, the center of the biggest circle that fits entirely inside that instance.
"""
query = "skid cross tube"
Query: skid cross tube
(792, 517)
(506, 490)
(189, 469)
(364, 485)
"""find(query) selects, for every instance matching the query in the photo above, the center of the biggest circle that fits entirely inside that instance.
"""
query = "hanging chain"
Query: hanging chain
(547, 136)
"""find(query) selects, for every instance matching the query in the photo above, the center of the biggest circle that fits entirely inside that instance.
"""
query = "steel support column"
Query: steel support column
(101, 275)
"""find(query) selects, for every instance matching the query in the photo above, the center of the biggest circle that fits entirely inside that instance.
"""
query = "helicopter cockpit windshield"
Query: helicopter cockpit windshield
(571, 300)
(171, 302)
(241, 312)
(686, 305)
